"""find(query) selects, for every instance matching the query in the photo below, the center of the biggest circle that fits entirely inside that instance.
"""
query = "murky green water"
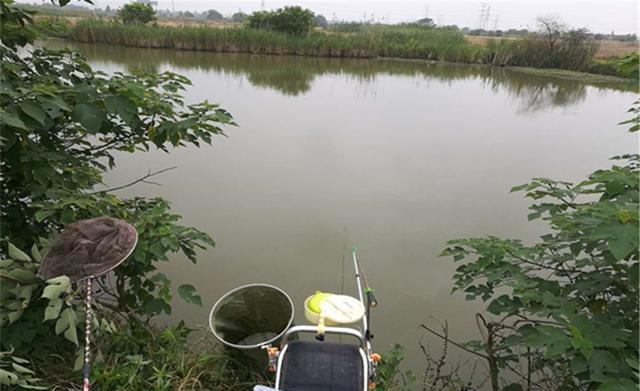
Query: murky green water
(396, 157)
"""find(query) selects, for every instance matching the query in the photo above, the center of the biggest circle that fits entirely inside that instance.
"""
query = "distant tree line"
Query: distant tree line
(522, 32)
(317, 20)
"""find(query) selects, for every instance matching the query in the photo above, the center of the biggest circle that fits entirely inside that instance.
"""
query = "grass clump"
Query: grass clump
(574, 52)
(144, 357)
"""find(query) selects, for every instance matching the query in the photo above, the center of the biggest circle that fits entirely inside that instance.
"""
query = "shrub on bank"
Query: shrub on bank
(290, 20)
(136, 13)
(567, 306)
(53, 26)
(574, 52)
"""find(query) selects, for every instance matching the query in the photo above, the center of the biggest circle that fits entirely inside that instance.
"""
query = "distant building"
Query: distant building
(152, 3)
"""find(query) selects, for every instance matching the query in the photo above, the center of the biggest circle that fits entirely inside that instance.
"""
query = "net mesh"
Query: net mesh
(89, 248)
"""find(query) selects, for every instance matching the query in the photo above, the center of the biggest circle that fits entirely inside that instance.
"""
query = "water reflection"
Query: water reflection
(295, 76)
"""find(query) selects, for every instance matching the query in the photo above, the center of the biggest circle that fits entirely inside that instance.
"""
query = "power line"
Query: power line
(487, 15)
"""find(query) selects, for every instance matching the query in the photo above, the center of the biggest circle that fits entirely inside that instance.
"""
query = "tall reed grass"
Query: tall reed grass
(403, 41)
(228, 39)
(376, 41)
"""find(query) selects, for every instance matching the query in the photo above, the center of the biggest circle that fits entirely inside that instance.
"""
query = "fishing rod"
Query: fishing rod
(363, 287)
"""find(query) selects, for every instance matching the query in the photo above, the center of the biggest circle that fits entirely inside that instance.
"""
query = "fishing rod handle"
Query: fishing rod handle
(371, 299)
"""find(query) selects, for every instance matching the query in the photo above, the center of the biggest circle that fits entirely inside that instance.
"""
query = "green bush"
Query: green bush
(603, 67)
(566, 307)
(62, 125)
(239, 17)
(53, 26)
(292, 20)
(260, 20)
(214, 15)
(574, 51)
(137, 13)
(320, 21)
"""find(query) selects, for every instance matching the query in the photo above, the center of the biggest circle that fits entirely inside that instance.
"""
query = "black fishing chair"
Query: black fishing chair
(322, 366)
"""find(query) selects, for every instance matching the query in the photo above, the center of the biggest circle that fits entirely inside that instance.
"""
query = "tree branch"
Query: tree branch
(141, 179)
(453, 342)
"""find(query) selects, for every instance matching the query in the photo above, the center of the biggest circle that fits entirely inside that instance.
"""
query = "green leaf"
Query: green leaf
(14, 315)
(602, 364)
(72, 335)
(8, 378)
(67, 216)
(122, 106)
(34, 110)
(56, 287)
(16, 254)
(89, 116)
(24, 275)
(78, 363)
(624, 244)
(618, 385)
(158, 250)
(157, 306)
(20, 369)
(67, 323)
(53, 309)
(634, 274)
(43, 214)
(35, 253)
(5, 263)
(56, 101)
(188, 293)
(12, 119)
(578, 364)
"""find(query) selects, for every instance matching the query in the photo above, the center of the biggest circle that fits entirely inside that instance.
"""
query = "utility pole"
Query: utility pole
(487, 15)
(495, 23)
(483, 7)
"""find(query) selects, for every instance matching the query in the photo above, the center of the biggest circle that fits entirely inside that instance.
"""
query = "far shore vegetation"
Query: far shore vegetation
(297, 31)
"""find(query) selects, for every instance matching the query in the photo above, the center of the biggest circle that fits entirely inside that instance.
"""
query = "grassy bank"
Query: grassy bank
(584, 77)
(399, 41)
(386, 41)
(406, 42)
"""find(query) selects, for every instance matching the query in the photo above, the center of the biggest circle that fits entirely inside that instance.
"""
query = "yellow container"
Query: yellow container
(312, 308)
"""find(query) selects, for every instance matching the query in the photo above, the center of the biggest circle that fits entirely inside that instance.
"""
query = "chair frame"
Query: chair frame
(292, 331)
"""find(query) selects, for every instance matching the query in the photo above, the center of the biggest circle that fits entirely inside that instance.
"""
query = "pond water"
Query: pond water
(394, 157)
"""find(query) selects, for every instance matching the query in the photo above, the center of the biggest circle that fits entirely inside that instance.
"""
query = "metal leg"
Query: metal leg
(86, 385)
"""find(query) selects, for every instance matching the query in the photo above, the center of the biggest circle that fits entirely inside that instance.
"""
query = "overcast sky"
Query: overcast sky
(602, 16)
